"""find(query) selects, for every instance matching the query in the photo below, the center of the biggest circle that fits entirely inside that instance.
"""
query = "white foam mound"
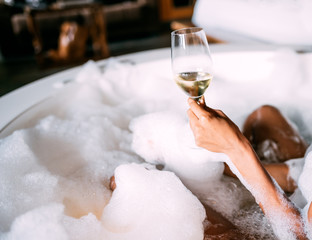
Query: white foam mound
(24, 184)
(152, 204)
(166, 138)
(40, 223)
(55, 174)
(306, 176)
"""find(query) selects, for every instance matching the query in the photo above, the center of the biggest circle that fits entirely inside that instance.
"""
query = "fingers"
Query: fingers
(197, 110)
(193, 118)
(201, 110)
(220, 113)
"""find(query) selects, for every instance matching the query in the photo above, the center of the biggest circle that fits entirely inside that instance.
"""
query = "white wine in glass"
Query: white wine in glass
(191, 61)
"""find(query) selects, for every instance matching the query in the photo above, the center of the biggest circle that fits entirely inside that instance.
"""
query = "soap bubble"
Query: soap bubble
(55, 173)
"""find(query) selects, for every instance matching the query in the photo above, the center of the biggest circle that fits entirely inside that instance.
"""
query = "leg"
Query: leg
(272, 137)
(218, 228)
(221, 228)
(279, 171)
(274, 140)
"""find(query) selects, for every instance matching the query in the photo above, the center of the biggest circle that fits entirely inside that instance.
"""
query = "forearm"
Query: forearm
(214, 131)
(246, 165)
(279, 171)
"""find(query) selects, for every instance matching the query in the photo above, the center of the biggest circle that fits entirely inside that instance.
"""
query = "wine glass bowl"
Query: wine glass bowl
(191, 61)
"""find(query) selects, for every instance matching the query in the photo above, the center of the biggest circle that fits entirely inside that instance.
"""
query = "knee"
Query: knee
(259, 118)
(267, 109)
(264, 113)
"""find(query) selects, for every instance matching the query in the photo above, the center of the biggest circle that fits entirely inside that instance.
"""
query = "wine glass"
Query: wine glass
(191, 61)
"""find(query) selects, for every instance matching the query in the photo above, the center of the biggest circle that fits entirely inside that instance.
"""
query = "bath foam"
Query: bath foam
(84, 192)
(125, 81)
(40, 223)
(66, 159)
(141, 88)
(281, 223)
(251, 220)
(24, 183)
(166, 138)
(308, 224)
(295, 168)
(298, 199)
(86, 227)
(305, 189)
(309, 229)
(77, 143)
(82, 147)
(126, 90)
(306, 175)
(89, 105)
(145, 205)
(84, 152)
(237, 91)
(88, 100)
(152, 204)
(227, 196)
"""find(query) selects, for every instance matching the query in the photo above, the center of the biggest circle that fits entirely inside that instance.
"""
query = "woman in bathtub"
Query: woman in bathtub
(275, 141)
(214, 131)
(268, 132)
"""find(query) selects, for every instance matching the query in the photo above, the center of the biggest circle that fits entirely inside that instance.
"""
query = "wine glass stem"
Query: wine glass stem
(200, 100)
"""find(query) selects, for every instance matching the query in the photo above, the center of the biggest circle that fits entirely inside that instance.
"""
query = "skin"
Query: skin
(214, 131)
(220, 228)
(279, 171)
(267, 123)
(265, 120)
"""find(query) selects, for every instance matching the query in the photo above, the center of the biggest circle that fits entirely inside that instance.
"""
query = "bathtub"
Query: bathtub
(32, 100)
(244, 78)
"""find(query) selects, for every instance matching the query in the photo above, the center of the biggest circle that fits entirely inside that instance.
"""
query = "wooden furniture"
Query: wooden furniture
(95, 29)
(124, 19)
(168, 11)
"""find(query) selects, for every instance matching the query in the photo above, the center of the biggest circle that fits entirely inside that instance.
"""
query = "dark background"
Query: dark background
(127, 30)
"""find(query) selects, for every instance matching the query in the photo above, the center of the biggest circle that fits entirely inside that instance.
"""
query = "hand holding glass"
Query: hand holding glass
(191, 61)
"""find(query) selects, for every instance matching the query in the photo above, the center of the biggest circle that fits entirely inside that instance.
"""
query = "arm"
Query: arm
(214, 131)
(279, 171)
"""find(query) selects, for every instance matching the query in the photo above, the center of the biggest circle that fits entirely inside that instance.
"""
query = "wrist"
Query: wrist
(241, 150)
